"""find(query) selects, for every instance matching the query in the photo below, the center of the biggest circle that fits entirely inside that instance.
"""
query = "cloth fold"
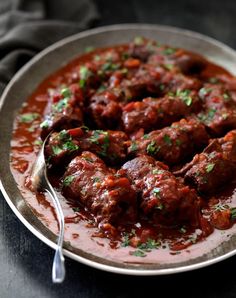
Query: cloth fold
(28, 26)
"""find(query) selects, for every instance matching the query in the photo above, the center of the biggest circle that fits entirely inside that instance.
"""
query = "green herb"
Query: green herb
(56, 150)
(213, 80)
(96, 179)
(204, 91)
(193, 238)
(167, 140)
(145, 136)
(67, 181)
(96, 134)
(159, 207)
(225, 116)
(64, 135)
(38, 143)
(133, 146)
(157, 172)
(84, 73)
(89, 49)
(28, 117)
(65, 92)
(150, 244)
(76, 209)
(162, 87)
(210, 167)
(168, 66)
(70, 146)
(220, 207)
(139, 40)
(178, 142)
(226, 96)
(138, 253)
(156, 191)
(169, 51)
(109, 66)
(183, 230)
(125, 240)
(125, 56)
(152, 148)
(233, 213)
(97, 58)
(124, 71)
(61, 105)
(184, 95)
(88, 159)
(44, 124)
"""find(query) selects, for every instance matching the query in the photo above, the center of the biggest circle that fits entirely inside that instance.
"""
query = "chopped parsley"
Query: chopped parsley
(125, 240)
(61, 105)
(183, 230)
(67, 181)
(150, 244)
(152, 148)
(167, 140)
(109, 66)
(178, 142)
(184, 95)
(133, 146)
(76, 209)
(56, 150)
(139, 40)
(89, 49)
(233, 213)
(38, 142)
(156, 191)
(169, 51)
(65, 92)
(138, 253)
(204, 91)
(44, 124)
(226, 96)
(213, 80)
(96, 179)
(28, 117)
(168, 66)
(96, 135)
(157, 172)
(84, 73)
(210, 167)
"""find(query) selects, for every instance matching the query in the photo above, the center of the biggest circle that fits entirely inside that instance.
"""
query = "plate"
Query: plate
(217, 247)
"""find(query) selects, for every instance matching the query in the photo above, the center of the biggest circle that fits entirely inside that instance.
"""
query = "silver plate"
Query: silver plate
(49, 60)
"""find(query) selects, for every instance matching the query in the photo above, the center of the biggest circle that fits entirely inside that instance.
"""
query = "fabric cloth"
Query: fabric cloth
(28, 26)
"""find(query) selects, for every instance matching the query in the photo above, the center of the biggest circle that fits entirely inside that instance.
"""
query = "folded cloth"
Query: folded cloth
(28, 26)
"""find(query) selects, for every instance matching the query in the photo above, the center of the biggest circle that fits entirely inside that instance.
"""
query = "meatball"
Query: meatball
(215, 166)
(163, 198)
(108, 196)
(172, 144)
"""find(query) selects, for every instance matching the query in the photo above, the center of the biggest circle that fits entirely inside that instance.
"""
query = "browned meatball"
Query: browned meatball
(154, 113)
(108, 196)
(220, 104)
(172, 144)
(215, 166)
(109, 145)
(65, 110)
(164, 198)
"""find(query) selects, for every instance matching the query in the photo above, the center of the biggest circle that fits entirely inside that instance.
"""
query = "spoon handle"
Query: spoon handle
(58, 267)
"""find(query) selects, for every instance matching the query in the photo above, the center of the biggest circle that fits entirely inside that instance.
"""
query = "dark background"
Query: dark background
(25, 262)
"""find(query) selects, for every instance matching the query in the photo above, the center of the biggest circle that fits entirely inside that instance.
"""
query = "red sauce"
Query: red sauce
(168, 244)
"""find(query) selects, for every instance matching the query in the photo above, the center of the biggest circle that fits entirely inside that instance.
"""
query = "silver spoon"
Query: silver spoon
(40, 181)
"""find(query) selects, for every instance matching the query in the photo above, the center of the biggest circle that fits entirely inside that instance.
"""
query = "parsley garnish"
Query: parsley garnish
(233, 213)
(150, 244)
(76, 209)
(139, 40)
(210, 167)
(167, 140)
(138, 253)
(67, 181)
(133, 146)
(169, 51)
(157, 172)
(65, 92)
(152, 148)
(56, 150)
(28, 117)
(44, 124)
(96, 179)
(156, 191)
(85, 73)
(184, 96)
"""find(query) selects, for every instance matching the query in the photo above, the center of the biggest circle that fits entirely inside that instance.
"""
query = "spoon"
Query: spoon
(40, 182)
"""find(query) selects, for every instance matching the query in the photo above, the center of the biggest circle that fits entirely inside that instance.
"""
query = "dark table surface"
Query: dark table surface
(25, 262)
